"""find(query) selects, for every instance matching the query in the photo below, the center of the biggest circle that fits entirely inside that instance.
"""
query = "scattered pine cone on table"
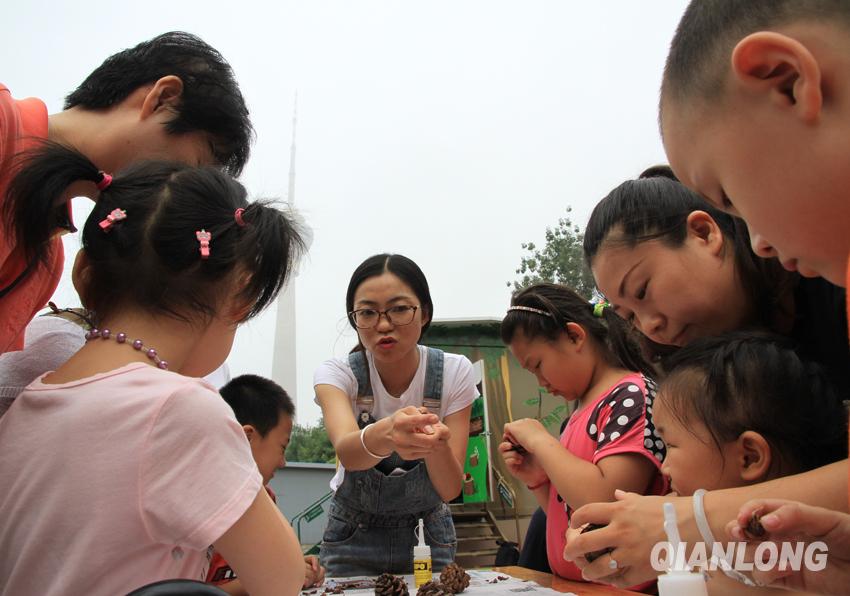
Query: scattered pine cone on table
(388, 584)
(433, 588)
(454, 578)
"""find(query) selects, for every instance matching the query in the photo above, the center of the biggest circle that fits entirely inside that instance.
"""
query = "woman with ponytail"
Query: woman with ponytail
(585, 354)
(153, 468)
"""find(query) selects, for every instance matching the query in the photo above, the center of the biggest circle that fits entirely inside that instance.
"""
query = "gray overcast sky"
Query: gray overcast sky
(448, 131)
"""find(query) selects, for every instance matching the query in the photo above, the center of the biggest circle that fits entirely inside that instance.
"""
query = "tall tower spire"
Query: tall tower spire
(290, 197)
(284, 370)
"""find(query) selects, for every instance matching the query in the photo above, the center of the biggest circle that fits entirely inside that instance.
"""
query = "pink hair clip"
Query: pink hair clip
(105, 181)
(204, 238)
(114, 216)
(237, 215)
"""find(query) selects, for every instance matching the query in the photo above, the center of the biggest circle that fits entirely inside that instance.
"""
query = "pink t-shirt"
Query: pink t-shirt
(116, 481)
(619, 421)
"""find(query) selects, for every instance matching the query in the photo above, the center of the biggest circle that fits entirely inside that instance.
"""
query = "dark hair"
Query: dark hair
(656, 206)
(709, 29)
(754, 381)
(210, 102)
(257, 401)
(611, 334)
(151, 259)
(400, 266)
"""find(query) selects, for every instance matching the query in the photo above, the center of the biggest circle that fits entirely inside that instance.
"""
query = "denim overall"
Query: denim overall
(373, 514)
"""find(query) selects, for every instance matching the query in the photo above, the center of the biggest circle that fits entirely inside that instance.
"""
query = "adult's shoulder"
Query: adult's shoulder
(337, 372)
(457, 362)
(820, 326)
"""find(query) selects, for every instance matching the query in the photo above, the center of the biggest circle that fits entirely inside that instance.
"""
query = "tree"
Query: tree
(561, 260)
(310, 444)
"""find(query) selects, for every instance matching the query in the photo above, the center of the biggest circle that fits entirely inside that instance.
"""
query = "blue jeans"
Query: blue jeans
(373, 519)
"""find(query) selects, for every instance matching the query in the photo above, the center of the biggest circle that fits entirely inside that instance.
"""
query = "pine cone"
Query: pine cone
(388, 584)
(433, 589)
(454, 578)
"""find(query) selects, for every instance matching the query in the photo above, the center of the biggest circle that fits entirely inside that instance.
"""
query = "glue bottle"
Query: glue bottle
(678, 580)
(421, 558)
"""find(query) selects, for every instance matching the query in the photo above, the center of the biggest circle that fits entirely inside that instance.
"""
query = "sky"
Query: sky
(447, 131)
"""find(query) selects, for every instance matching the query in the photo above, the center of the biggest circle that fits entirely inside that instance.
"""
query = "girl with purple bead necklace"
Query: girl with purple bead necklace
(141, 465)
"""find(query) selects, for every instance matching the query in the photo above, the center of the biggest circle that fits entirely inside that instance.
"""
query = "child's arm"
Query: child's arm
(445, 464)
(398, 432)
(314, 573)
(233, 588)
(635, 523)
(579, 481)
(263, 550)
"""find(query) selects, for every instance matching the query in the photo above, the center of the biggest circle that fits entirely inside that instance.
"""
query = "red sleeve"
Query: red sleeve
(622, 423)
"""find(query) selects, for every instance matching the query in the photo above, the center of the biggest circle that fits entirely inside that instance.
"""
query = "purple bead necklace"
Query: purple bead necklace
(121, 338)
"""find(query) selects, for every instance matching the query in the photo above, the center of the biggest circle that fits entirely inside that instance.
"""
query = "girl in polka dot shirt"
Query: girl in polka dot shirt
(586, 354)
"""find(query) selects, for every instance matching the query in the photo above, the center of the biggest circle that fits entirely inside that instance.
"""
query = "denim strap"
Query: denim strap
(360, 368)
(433, 392)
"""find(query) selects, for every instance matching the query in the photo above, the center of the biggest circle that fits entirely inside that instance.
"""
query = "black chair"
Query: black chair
(178, 587)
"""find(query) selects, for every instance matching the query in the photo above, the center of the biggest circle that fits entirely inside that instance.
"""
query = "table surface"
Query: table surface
(562, 585)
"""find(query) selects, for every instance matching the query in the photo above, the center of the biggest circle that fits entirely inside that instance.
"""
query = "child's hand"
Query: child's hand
(778, 521)
(415, 432)
(522, 465)
(314, 574)
(525, 432)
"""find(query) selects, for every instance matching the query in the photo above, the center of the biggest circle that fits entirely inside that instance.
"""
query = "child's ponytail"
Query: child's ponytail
(622, 342)
(186, 244)
(273, 244)
(34, 207)
(546, 310)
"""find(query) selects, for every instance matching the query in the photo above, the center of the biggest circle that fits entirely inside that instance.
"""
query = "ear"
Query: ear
(251, 433)
(426, 317)
(81, 275)
(576, 333)
(702, 228)
(782, 69)
(166, 93)
(753, 457)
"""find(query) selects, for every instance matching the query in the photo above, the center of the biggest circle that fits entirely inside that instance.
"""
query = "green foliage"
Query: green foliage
(310, 444)
(561, 260)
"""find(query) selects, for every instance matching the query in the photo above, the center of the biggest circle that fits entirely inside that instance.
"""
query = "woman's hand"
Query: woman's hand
(792, 522)
(634, 524)
(415, 433)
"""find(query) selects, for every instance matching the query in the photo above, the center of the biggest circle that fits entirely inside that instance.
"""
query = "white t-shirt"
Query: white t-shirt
(459, 389)
(116, 481)
(49, 342)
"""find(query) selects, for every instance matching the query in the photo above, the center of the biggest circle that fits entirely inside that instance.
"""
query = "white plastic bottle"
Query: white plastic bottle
(421, 558)
(678, 580)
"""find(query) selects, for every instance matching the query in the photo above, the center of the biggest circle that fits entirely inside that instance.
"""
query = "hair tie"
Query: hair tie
(530, 309)
(105, 181)
(599, 307)
(204, 238)
(114, 216)
(237, 215)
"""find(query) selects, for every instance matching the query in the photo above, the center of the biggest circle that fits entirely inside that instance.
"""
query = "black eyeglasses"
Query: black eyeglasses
(366, 318)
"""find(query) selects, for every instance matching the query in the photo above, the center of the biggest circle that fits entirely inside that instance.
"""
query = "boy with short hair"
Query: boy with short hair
(755, 117)
(172, 97)
(265, 411)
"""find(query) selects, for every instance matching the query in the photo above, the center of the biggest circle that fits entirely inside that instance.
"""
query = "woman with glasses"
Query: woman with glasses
(397, 414)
